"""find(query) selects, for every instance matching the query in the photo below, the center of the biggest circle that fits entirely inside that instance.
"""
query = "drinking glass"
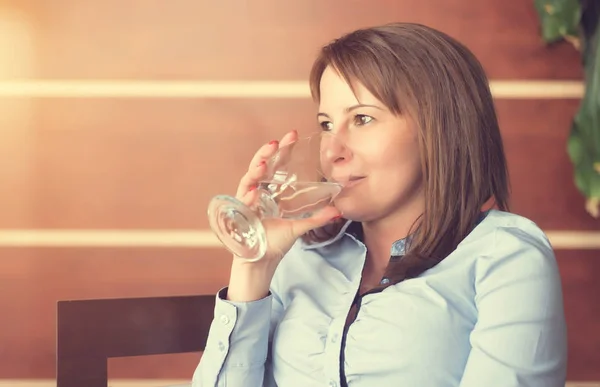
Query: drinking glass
(294, 187)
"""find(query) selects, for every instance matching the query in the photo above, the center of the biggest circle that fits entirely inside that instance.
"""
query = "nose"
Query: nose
(334, 149)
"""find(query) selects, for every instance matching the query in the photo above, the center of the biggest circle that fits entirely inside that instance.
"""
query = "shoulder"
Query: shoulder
(518, 257)
(511, 237)
(520, 328)
(507, 238)
(517, 227)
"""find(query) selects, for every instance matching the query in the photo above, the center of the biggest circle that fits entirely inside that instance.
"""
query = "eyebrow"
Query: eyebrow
(351, 108)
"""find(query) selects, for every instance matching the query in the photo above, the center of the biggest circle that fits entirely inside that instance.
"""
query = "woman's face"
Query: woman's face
(374, 152)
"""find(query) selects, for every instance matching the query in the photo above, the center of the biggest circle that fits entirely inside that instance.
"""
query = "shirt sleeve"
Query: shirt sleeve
(238, 343)
(519, 339)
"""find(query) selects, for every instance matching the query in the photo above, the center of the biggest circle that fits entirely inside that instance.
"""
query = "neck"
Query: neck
(379, 235)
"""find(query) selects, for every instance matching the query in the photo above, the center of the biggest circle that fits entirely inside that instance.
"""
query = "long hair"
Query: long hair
(416, 70)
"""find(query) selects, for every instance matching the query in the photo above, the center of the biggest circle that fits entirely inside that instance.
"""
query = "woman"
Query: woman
(405, 281)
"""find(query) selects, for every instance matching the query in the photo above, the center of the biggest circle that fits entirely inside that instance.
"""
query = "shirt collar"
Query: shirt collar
(354, 230)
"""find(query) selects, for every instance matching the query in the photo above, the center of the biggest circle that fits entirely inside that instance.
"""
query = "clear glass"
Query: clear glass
(294, 188)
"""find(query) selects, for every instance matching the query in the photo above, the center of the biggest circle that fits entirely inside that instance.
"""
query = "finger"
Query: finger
(288, 138)
(263, 153)
(269, 149)
(250, 180)
(285, 151)
(250, 197)
(257, 167)
(319, 219)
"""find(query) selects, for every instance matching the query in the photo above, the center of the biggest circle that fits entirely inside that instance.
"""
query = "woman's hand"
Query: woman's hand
(252, 279)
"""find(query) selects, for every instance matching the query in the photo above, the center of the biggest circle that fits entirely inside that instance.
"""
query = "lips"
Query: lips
(350, 181)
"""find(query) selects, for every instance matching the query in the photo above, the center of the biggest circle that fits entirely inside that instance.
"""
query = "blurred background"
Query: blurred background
(120, 119)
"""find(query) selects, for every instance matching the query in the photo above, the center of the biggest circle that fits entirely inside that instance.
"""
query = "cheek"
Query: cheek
(398, 169)
(404, 159)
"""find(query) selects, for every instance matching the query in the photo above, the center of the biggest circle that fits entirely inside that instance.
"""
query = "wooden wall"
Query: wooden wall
(153, 162)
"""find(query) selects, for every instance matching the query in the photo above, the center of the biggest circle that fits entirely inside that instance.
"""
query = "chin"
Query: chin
(351, 209)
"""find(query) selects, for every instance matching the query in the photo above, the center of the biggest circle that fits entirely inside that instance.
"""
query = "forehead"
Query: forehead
(336, 93)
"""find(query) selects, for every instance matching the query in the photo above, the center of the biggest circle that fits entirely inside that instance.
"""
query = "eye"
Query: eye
(326, 126)
(362, 119)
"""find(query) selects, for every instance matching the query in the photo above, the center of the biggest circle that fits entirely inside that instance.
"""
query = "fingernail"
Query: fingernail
(274, 142)
(252, 188)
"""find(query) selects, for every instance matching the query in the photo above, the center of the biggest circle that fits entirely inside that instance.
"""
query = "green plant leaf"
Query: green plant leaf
(587, 178)
(563, 19)
(559, 18)
(584, 140)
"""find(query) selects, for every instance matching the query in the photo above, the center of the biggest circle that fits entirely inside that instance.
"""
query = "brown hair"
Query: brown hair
(416, 70)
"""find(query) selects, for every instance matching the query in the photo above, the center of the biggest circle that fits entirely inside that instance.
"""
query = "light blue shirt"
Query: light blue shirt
(489, 315)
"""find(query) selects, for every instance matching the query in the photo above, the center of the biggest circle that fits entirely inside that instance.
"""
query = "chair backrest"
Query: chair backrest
(91, 331)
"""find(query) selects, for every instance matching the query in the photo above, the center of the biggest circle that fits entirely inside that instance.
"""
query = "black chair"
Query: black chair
(91, 331)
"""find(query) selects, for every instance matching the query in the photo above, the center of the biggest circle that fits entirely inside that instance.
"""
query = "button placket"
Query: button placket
(332, 350)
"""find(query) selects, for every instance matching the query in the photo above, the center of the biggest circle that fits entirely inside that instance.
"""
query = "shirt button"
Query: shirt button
(221, 346)
(334, 338)
(332, 383)
(224, 320)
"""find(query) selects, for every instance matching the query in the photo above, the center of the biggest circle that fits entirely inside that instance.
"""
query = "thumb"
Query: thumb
(318, 219)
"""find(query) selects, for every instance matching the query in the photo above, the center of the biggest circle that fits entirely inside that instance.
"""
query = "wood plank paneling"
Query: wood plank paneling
(17, 139)
(135, 163)
(267, 39)
(103, 163)
(535, 135)
(32, 280)
(580, 271)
